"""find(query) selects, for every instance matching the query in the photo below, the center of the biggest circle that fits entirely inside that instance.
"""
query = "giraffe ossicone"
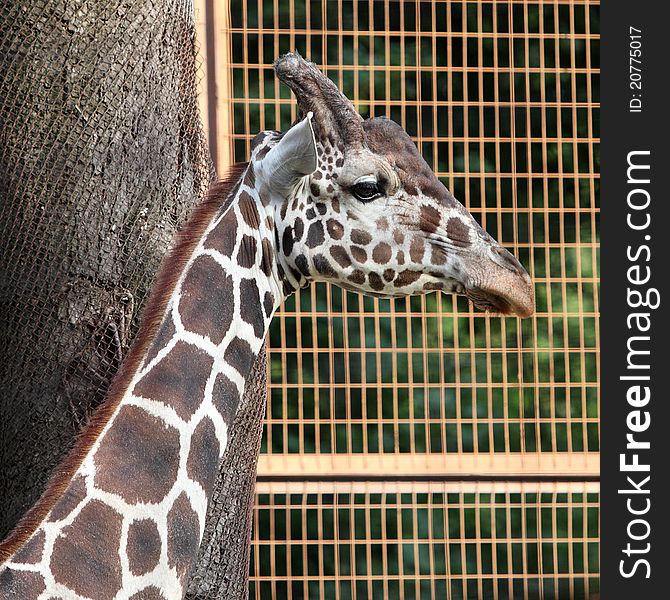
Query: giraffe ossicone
(336, 198)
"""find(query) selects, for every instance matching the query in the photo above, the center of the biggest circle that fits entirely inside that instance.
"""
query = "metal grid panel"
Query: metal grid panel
(502, 100)
(383, 543)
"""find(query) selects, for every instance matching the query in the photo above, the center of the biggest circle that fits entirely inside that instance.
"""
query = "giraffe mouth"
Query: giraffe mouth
(488, 302)
(502, 303)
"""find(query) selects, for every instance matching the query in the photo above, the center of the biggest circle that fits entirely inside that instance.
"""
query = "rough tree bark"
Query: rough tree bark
(101, 158)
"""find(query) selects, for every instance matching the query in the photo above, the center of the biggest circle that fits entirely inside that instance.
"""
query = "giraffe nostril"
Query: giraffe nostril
(508, 261)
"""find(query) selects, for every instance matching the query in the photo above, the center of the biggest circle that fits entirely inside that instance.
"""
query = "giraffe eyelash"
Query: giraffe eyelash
(366, 189)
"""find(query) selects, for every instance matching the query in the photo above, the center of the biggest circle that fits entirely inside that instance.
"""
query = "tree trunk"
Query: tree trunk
(101, 157)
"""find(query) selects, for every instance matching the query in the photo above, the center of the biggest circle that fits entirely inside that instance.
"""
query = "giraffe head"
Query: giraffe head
(354, 203)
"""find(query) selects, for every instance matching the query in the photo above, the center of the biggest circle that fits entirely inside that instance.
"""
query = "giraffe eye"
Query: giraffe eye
(366, 190)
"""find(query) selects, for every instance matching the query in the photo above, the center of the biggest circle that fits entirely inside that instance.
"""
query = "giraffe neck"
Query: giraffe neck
(132, 513)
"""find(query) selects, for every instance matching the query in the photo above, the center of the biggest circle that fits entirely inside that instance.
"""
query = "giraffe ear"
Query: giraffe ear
(292, 158)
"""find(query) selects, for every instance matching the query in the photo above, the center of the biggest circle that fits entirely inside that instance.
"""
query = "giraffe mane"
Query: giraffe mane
(218, 198)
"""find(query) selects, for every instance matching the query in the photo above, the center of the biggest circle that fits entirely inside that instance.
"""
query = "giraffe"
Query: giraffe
(336, 198)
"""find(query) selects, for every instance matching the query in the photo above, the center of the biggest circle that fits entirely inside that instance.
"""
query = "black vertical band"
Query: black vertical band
(635, 271)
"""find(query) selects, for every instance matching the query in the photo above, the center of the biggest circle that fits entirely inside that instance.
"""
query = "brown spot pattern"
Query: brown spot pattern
(222, 238)
(315, 235)
(149, 463)
(406, 277)
(458, 232)
(203, 456)
(287, 241)
(382, 223)
(148, 593)
(335, 229)
(206, 301)
(180, 380)
(416, 249)
(268, 256)
(268, 304)
(260, 155)
(341, 256)
(359, 236)
(225, 397)
(246, 254)
(250, 306)
(324, 267)
(298, 229)
(25, 585)
(359, 254)
(250, 176)
(31, 552)
(376, 282)
(296, 274)
(260, 138)
(429, 219)
(73, 495)
(382, 253)
(182, 523)
(239, 355)
(249, 211)
(80, 557)
(437, 256)
(165, 333)
(301, 263)
(357, 277)
(264, 195)
(143, 547)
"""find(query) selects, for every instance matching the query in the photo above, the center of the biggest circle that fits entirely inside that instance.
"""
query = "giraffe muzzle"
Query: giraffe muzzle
(507, 288)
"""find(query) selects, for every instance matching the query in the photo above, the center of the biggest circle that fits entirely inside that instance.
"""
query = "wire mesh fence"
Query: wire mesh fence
(102, 154)
(502, 100)
(440, 541)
